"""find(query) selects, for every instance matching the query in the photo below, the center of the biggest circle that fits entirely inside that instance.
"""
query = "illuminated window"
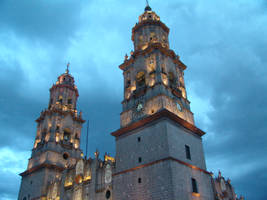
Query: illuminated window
(140, 38)
(140, 78)
(60, 99)
(194, 185)
(152, 36)
(187, 151)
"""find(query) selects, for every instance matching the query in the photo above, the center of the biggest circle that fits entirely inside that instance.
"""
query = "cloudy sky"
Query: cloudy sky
(223, 43)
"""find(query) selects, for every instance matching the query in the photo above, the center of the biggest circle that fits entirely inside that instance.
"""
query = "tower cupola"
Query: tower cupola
(149, 30)
(64, 94)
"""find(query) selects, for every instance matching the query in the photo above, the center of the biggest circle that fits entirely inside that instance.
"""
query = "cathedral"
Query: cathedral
(159, 150)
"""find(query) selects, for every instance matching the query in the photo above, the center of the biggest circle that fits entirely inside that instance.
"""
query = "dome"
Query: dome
(148, 8)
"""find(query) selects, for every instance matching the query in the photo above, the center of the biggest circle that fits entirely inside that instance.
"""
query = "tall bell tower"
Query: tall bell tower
(159, 151)
(57, 142)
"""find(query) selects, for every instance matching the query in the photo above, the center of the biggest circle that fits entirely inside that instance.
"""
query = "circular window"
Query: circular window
(108, 194)
(65, 156)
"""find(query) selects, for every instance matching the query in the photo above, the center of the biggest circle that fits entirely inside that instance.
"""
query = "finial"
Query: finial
(126, 57)
(67, 70)
(96, 153)
(147, 8)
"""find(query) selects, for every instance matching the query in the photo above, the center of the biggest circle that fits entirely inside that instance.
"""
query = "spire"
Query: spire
(147, 8)
(67, 70)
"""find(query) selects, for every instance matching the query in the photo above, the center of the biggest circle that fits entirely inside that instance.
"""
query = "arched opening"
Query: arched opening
(66, 135)
(108, 194)
(140, 79)
(60, 99)
(65, 156)
(171, 78)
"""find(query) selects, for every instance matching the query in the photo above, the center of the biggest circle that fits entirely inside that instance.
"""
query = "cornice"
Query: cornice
(49, 112)
(149, 49)
(161, 114)
(65, 86)
(49, 166)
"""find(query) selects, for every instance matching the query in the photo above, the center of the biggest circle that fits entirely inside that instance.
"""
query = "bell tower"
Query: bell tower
(57, 142)
(159, 151)
(154, 74)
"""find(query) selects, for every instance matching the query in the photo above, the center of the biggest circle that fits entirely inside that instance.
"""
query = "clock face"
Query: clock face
(179, 106)
(139, 107)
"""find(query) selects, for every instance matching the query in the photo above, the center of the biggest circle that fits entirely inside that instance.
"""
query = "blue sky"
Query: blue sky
(223, 43)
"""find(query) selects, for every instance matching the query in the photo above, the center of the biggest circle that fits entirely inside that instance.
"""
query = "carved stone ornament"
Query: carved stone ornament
(108, 174)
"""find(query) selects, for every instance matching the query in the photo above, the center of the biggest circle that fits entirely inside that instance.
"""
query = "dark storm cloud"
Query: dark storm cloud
(222, 43)
(17, 107)
(52, 21)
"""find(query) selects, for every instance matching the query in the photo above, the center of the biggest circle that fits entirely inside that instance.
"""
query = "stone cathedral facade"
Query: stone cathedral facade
(159, 151)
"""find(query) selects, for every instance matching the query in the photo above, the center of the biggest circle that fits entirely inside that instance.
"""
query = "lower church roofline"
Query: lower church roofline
(158, 115)
(50, 166)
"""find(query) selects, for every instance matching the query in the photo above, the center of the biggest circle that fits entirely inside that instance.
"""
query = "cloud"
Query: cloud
(222, 43)
(11, 164)
(52, 21)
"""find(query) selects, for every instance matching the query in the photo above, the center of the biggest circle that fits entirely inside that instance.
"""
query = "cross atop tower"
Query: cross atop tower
(68, 65)
(147, 8)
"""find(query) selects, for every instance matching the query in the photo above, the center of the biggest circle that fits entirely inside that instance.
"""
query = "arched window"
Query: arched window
(60, 99)
(140, 79)
(194, 185)
(44, 132)
(128, 83)
(66, 135)
(69, 101)
(171, 78)
(153, 37)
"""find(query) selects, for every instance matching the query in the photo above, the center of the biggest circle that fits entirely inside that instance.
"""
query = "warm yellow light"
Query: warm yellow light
(57, 137)
(164, 79)
(68, 183)
(195, 194)
(78, 179)
(109, 158)
(133, 88)
(76, 144)
(144, 46)
(183, 92)
(65, 108)
(87, 178)
(127, 95)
